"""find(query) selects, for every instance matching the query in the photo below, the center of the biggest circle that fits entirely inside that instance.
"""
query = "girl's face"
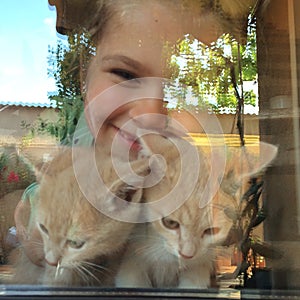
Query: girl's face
(136, 44)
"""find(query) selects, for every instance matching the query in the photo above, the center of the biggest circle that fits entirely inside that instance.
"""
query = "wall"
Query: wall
(278, 69)
(12, 134)
(227, 122)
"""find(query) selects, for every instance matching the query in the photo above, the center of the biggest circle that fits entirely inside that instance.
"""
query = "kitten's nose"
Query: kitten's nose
(185, 256)
(187, 249)
(52, 258)
(52, 263)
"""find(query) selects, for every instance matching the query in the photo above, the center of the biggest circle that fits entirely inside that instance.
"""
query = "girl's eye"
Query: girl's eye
(211, 231)
(125, 75)
(75, 244)
(170, 224)
(43, 229)
(126, 78)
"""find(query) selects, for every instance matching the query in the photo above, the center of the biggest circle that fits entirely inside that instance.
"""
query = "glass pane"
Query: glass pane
(150, 149)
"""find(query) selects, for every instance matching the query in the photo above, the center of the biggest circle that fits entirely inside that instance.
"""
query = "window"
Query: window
(205, 94)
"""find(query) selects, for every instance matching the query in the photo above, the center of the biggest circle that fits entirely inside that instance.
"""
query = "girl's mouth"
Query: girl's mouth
(130, 139)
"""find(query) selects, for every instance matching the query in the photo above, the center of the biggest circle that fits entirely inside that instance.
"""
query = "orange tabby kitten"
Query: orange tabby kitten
(178, 250)
(82, 246)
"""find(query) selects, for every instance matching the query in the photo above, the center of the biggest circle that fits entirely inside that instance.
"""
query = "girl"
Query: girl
(135, 41)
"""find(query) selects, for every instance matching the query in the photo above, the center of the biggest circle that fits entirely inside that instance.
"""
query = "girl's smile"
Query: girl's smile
(130, 140)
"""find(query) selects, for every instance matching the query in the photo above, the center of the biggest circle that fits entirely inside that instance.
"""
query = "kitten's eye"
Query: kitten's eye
(75, 244)
(170, 224)
(43, 229)
(211, 231)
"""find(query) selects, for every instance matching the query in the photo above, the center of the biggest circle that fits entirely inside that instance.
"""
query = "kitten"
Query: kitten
(81, 245)
(178, 250)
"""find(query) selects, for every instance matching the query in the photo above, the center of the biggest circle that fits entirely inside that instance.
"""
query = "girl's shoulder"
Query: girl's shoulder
(30, 192)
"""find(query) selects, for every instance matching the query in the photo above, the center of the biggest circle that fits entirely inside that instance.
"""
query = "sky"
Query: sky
(27, 29)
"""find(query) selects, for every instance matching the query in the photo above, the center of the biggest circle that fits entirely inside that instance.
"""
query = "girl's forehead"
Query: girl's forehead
(167, 21)
(145, 21)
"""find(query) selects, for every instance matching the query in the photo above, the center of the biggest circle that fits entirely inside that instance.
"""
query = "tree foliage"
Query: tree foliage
(213, 74)
(68, 64)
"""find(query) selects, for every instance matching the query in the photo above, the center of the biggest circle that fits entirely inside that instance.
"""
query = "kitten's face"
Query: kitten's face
(191, 232)
(72, 229)
(74, 232)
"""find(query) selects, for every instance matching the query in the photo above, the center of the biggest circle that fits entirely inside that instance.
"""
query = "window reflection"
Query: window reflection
(235, 87)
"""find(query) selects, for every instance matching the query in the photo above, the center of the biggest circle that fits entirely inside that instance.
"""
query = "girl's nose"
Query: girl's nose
(149, 113)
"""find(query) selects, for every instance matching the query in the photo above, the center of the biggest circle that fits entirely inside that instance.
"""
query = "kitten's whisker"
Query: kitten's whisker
(57, 271)
(153, 250)
(151, 237)
(88, 273)
(95, 266)
(149, 248)
(36, 243)
(77, 268)
(81, 273)
(182, 265)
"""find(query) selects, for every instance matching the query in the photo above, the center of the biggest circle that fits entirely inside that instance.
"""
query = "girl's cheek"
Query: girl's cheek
(95, 89)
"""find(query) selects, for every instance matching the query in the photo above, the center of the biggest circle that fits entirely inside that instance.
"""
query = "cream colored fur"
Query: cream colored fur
(81, 245)
(183, 256)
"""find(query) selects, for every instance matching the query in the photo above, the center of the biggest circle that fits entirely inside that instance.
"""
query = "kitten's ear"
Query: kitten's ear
(38, 161)
(131, 177)
(164, 152)
(154, 143)
(123, 196)
(129, 193)
(248, 161)
(54, 163)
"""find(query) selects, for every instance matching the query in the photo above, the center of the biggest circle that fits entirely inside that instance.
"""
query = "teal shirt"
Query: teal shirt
(82, 135)
(30, 193)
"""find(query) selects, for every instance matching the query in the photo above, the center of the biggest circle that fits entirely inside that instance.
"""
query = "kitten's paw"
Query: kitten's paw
(131, 280)
(194, 282)
(192, 285)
